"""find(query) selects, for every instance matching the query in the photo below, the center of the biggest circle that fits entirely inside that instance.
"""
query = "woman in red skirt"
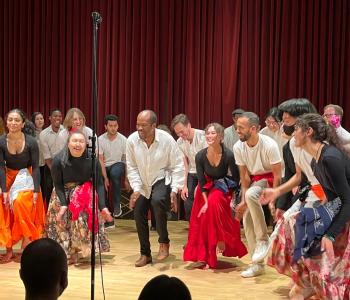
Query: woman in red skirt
(212, 227)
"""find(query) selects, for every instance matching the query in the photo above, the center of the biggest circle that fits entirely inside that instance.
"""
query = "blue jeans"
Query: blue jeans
(115, 173)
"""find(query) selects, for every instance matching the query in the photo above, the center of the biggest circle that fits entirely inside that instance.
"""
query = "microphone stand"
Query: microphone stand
(96, 20)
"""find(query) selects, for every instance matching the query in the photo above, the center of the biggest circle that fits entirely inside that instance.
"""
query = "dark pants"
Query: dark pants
(115, 173)
(160, 202)
(192, 182)
(46, 184)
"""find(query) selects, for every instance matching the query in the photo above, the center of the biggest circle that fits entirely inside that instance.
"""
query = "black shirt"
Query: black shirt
(286, 200)
(29, 157)
(77, 170)
(204, 167)
(333, 172)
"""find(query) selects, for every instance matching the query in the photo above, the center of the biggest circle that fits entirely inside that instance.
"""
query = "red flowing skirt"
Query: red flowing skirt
(216, 224)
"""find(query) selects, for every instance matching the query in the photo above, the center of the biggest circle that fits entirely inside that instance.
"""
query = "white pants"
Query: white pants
(255, 227)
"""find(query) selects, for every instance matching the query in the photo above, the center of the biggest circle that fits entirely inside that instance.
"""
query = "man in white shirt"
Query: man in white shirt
(151, 154)
(50, 146)
(333, 114)
(259, 162)
(112, 147)
(190, 141)
(230, 133)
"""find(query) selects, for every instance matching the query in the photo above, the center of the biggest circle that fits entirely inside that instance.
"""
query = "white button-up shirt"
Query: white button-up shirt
(146, 165)
(49, 142)
(191, 149)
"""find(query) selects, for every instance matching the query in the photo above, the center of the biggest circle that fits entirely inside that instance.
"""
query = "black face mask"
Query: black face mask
(288, 130)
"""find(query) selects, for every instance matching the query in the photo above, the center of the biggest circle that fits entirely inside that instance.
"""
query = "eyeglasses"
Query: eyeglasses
(268, 122)
(328, 115)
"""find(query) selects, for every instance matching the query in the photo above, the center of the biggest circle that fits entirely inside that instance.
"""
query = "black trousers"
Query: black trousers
(192, 182)
(47, 184)
(160, 202)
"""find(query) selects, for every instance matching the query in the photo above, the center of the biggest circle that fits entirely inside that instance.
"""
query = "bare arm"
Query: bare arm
(291, 183)
(277, 174)
(245, 181)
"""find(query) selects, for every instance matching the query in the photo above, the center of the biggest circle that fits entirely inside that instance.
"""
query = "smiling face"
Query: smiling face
(244, 129)
(144, 127)
(77, 144)
(183, 131)
(77, 121)
(212, 137)
(14, 122)
(56, 119)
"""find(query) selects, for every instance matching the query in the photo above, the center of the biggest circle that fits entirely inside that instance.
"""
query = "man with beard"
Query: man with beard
(112, 147)
(50, 146)
(153, 157)
(259, 162)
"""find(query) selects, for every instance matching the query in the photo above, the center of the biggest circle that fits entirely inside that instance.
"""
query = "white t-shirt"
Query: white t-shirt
(190, 149)
(303, 160)
(279, 138)
(257, 159)
(113, 151)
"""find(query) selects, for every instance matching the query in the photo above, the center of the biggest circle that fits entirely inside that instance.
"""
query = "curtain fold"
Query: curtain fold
(200, 57)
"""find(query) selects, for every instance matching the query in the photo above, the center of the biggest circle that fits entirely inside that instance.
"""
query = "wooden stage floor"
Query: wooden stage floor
(123, 281)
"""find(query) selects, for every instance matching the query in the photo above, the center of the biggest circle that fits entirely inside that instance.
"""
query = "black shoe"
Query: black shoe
(109, 225)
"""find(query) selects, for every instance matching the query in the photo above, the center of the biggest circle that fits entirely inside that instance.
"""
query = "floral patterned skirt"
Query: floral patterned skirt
(329, 280)
(73, 236)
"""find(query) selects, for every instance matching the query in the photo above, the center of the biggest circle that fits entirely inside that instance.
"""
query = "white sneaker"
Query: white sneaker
(261, 250)
(253, 270)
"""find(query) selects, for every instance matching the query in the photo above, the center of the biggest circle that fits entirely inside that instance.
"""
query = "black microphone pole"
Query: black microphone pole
(96, 20)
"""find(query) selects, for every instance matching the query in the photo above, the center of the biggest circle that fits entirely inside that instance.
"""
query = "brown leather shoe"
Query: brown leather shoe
(163, 251)
(143, 260)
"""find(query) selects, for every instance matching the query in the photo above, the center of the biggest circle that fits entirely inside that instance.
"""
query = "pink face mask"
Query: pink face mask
(335, 121)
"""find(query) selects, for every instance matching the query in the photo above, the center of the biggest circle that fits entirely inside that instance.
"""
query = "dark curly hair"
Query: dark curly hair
(322, 132)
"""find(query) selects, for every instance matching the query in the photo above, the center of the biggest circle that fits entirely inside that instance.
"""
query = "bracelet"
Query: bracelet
(330, 237)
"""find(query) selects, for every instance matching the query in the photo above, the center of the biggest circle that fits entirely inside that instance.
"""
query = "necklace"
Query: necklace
(317, 152)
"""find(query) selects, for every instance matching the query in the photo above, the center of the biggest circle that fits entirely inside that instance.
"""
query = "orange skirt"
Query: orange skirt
(24, 220)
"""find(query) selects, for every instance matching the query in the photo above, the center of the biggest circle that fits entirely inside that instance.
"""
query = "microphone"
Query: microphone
(96, 17)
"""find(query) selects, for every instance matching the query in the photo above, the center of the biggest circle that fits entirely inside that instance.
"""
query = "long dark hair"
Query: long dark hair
(322, 132)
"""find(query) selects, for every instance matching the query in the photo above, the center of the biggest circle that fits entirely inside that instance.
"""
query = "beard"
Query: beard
(245, 137)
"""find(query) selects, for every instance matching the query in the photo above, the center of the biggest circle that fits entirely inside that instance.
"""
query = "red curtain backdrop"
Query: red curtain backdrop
(200, 57)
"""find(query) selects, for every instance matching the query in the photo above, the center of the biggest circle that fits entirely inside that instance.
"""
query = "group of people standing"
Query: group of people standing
(298, 165)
